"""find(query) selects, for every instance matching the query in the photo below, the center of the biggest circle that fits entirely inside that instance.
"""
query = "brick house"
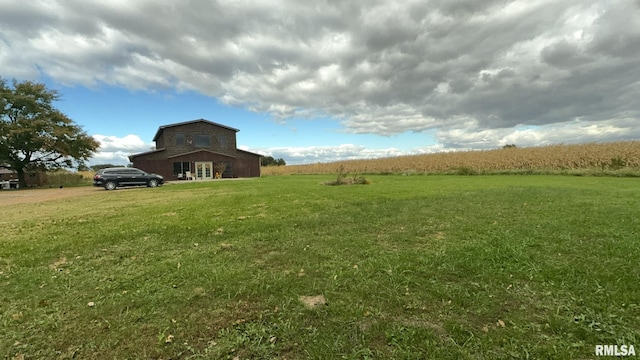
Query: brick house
(195, 149)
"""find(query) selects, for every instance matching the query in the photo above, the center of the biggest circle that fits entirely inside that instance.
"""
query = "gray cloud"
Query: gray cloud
(473, 138)
(458, 67)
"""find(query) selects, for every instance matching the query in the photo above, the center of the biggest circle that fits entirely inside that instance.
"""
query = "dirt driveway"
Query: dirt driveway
(12, 197)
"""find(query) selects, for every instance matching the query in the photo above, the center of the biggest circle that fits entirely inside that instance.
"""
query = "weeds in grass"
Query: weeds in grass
(343, 179)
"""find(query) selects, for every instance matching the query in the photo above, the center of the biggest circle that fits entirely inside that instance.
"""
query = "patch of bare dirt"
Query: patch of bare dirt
(313, 301)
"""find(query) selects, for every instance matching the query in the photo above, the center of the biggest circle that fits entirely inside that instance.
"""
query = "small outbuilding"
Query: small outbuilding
(9, 176)
(198, 149)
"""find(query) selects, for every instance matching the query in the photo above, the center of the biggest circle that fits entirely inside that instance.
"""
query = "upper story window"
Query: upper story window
(222, 139)
(202, 140)
(179, 139)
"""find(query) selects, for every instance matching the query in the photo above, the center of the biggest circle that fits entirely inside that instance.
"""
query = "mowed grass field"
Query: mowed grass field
(408, 267)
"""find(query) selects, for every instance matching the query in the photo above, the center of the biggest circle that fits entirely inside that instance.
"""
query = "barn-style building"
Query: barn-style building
(196, 150)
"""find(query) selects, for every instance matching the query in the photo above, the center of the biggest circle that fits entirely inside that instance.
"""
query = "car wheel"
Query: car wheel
(110, 185)
(152, 183)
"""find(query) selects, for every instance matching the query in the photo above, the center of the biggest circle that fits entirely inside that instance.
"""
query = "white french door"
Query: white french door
(203, 170)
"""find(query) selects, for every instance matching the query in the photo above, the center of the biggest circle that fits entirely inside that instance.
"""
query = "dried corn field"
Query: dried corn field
(600, 156)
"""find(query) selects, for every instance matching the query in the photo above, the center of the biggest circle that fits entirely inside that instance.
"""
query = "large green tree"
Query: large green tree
(34, 135)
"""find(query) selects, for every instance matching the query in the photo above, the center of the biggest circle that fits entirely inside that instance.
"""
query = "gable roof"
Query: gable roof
(161, 128)
(249, 152)
(145, 153)
(200, 150)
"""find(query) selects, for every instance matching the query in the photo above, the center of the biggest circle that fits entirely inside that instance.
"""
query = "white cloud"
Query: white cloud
(316, 154)
(115, 150)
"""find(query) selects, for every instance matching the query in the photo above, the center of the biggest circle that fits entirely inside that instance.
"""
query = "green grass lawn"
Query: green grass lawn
(411, 267)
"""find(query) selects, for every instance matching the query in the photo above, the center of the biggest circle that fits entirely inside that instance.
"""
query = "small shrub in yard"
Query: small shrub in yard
(342, 179)
(360, 180)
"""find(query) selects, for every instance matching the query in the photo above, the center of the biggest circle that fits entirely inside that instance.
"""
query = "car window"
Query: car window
(124, 171)
(116, 171)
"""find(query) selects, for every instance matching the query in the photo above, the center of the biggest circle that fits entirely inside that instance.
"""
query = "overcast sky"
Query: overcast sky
(313, 81)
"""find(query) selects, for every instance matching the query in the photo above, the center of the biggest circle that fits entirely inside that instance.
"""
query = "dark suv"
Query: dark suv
(111, 178)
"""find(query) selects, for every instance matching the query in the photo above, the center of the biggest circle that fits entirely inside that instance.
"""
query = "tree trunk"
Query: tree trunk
(22, 179)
